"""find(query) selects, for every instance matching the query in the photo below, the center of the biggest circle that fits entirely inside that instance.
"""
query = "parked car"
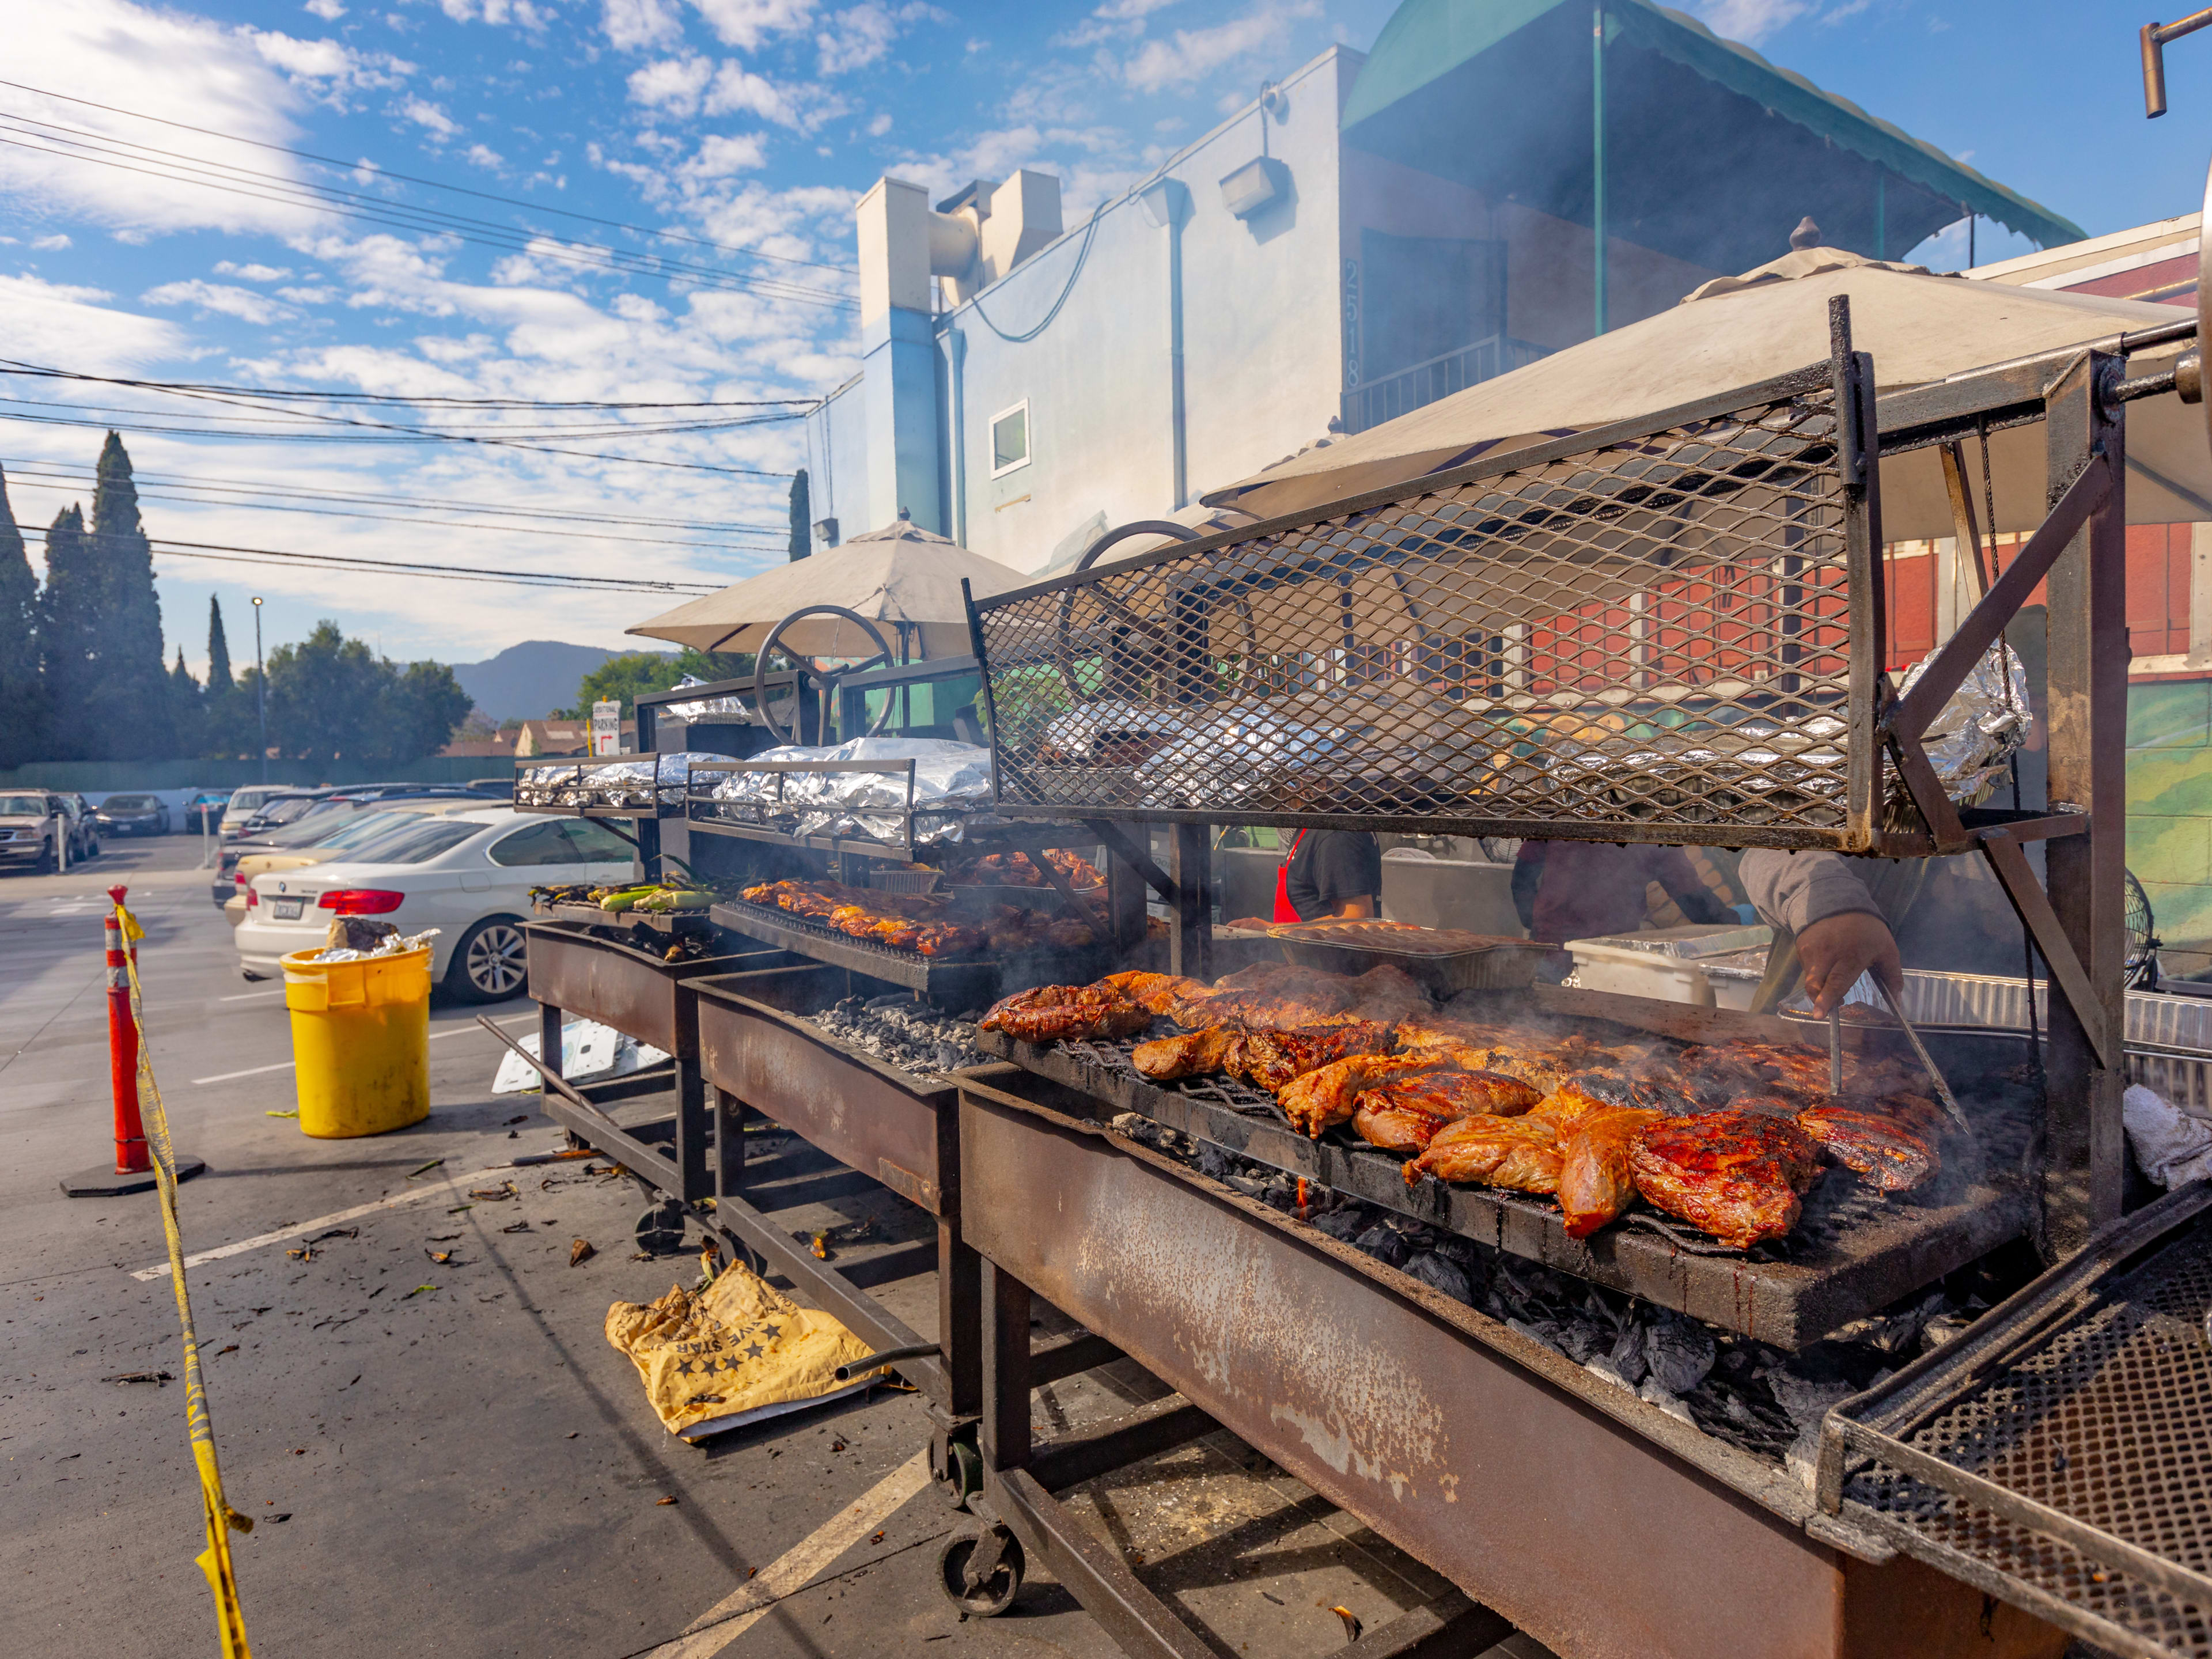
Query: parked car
(203, 810)
(35, 829)
(467, 873)
(132, 815)
(285, 806)
(502, 788)
(244, 803)
(84, 826)
(315, 840)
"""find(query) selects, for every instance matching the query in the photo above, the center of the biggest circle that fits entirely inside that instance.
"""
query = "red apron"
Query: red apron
(1284, 910)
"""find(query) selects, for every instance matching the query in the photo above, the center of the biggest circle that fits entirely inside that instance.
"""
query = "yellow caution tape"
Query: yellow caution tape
(215, 1560)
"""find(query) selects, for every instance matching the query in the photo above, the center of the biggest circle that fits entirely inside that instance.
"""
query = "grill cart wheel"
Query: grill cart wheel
(660, 1228)
(957, 1465)
(981, 1575)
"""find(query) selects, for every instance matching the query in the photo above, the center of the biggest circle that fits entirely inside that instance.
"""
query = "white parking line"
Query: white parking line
(286, 1065)
(732, 1617)
(433, 1189)
(249, 996)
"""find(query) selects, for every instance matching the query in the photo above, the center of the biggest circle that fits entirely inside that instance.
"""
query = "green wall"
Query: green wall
(2170, 816)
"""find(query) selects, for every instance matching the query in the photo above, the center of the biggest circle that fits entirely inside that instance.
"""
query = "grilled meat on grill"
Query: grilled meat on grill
(1595, 1183)
(1892, 1143)
(1522, 1153)
(1187, 1053)
(1331, 1095)
(1157, 992)
(1404, 1117)
(1065, 1013)
(1736, 1174)
(1270, 1059)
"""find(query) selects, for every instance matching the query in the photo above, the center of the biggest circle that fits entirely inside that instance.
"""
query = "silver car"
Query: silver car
(35, 830)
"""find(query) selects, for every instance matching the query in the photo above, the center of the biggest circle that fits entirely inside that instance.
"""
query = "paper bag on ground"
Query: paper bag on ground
(732, 1354)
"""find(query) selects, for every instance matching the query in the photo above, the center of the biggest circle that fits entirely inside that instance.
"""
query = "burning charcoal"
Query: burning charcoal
(1678, 1351)
(1337, 1224)
(1246, 1186)
(1602, 1366)
(1214, 1164)
(1383, 1245)
(1627, 1355)
(1541, 1331)
(1653, 1393)
(1439, 1273)
(895, 999)
(1581, 1341)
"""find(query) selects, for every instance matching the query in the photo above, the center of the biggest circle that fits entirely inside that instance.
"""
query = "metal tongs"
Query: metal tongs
(1942, 1089)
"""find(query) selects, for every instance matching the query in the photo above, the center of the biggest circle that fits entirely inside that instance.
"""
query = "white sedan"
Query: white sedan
(469, 874)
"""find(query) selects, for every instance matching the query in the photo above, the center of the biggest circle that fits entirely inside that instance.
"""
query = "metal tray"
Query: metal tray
(1504, 965)
(955, 984)
(1851, 1252)
(632, 990)
(589, 915)
(2057, 1455)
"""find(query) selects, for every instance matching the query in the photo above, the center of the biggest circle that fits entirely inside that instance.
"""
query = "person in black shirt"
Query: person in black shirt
(1329, 873)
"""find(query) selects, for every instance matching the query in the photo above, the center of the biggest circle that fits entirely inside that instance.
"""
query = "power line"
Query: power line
(79, 144)
(223, 553)
(33, 481)
(426, 401)
(278, 415)
(459, 190)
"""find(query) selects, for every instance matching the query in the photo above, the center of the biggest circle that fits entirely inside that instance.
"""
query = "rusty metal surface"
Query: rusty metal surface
(630, 989)
(1598, 1524)
(886, 1124)
(1851, 1252)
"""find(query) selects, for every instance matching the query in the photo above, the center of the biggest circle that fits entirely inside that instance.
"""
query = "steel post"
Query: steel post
(133, 1168)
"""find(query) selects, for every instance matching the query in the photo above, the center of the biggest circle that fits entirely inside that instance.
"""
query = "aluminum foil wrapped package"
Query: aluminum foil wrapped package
(699, 709)
(1224, 757)
(543, 785)
(1972, 738)
(951, 779)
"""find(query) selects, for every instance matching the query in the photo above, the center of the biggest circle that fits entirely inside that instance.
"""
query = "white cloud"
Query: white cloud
(634, 25)
(329, 10)
(425, 113)
(485, 156)
(308, 296)
(53, 243)
(1191, 54)
(882, 124)
(859, 35)
(255, 273)
(338, 66)
(1750, 21)
(724, 155)
(1115, 20)
(56, 323)
(738, 90)
(240, 302)
(673, 84)
(745, 24)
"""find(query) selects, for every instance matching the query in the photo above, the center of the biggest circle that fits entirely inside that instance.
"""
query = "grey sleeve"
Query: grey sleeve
(1796, 889)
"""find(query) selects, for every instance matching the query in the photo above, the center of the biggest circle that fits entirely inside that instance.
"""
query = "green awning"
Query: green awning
(1501, 88)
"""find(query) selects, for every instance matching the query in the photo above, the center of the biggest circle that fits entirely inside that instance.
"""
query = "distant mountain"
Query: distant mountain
(531, 680)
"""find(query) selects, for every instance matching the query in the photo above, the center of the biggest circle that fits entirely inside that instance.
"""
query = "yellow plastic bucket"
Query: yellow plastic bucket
(361, 1038)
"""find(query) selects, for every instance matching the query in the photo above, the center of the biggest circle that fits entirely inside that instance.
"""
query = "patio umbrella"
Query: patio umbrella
(903, 579)
(1736, 330)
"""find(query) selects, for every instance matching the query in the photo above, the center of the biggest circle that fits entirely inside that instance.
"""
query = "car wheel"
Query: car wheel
(491, 963)
(45, 866)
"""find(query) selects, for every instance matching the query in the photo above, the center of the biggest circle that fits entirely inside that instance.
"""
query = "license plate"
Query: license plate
(289, 909)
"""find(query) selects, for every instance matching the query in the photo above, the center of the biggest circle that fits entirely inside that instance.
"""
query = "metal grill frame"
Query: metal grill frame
(1847, 375)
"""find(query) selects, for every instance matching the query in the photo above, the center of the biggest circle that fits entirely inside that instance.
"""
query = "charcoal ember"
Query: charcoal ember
(1678, 1351)
(1582, 1341)
(1601, 1365)
(1438, 1273)
(1344, 1224)
(1214, 1164)
(1246, 1185)
(895, 999)
(1384, 1244)
(1626, 1355)
(1654, 1393)
(1537, 1330)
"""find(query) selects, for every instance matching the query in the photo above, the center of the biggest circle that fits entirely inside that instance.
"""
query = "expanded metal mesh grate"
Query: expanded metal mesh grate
(2109, 1422)
(1642, 639)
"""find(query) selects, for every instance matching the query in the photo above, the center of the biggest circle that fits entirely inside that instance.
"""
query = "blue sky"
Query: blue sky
(747, 123)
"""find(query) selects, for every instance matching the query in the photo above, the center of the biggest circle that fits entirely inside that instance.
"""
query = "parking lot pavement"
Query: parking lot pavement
(448, 1456)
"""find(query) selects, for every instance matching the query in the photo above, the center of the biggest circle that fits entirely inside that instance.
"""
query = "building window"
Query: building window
(1009, 438)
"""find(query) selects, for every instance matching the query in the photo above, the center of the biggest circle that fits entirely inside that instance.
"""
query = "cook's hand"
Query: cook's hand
(1836, 950)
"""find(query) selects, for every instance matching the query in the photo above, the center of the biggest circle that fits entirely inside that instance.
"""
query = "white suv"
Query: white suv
(469, 874)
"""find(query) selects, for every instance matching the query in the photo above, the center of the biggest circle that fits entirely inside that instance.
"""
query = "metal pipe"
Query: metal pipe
(1597, 160)
(2155, 37)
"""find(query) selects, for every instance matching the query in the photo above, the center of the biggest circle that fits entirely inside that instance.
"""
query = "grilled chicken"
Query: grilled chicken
(1065, 1013)
(1522, 1153)
(1187, 1054)
(1156, 993)
(1404, 1117)
(1595, 1183)
(1331, 1095)
(1893, 1142)
(1736, 1174)
(1269, 1059)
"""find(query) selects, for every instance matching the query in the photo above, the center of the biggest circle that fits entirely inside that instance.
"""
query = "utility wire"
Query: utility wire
(9, 365)
(458, 190)
(277, 416)
(100, 149)
(359, 565)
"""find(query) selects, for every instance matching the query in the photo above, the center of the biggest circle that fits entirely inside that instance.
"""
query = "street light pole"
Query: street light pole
(261, 691)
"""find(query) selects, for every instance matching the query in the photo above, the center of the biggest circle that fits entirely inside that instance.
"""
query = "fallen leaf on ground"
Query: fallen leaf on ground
(659, 1501)
(442, 1257)
(525, 1117)
(581, 1251)
(443, 1238)
(820, 1247)
(517, 1227)
(425, 1169)
(571, 1434)
(294, 1112)
(379, 1290)
(336, 1232)
(139, 1376)
(505, 1190)
(233, 1348)
(457, 1208)
(878, 1539)
(1352, 1625)
(305, 1253)
(417, 1291)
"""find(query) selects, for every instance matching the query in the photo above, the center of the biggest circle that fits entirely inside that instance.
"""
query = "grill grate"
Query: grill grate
(1657, 637)
(2105, 1418)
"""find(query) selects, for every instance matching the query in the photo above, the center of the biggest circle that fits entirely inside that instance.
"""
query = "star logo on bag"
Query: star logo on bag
(683, 1368)
(772, 1332)
(754, 1351)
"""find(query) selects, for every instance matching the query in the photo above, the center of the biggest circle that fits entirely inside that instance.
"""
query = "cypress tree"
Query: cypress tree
(218, 679)
(185, 706)
(128, 717)
(802, 531)
(69, 618)
(21, 726)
